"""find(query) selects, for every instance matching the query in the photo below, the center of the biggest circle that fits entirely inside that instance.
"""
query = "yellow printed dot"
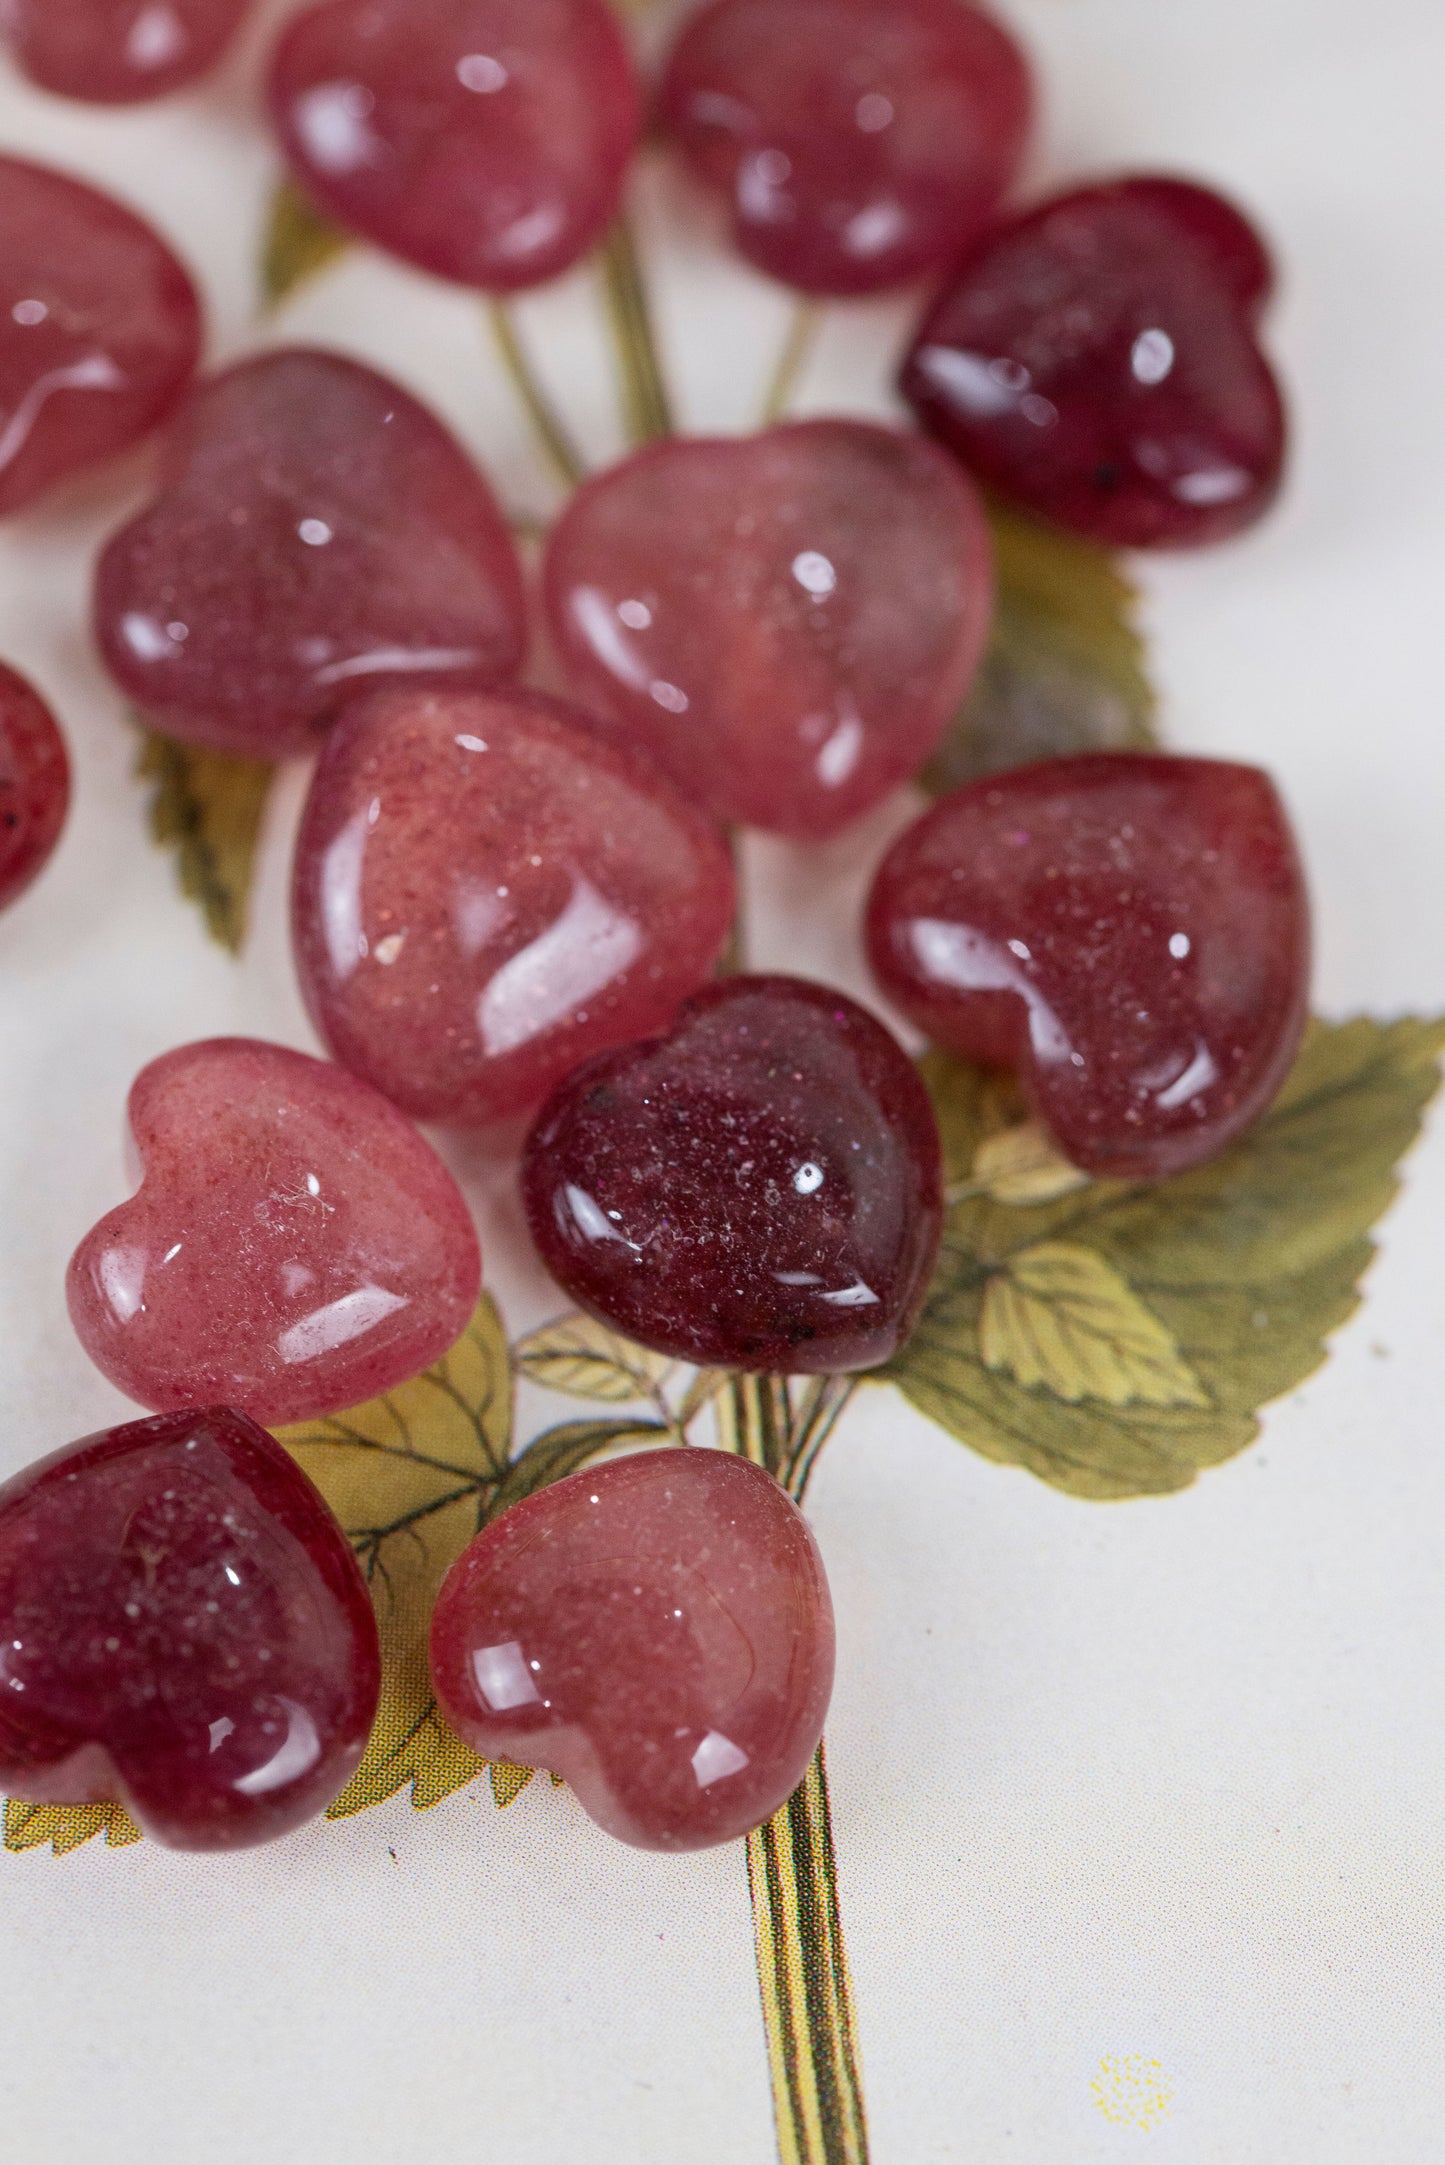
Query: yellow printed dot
(1131, 2091)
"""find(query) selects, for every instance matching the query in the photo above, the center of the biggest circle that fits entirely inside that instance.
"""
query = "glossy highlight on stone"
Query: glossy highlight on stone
(486, 893)
(1097, 362)
(1129, 931)
(34, 784)
(857, 143)
(100, 329)
(317, 533)
(785, 622)
(118, 52)
(760, 1189)
(183, 1628)
(657, 1631)
(294, 1247)
(484, 140)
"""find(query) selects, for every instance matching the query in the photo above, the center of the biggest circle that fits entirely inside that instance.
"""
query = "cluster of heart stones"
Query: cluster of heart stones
(509, 904)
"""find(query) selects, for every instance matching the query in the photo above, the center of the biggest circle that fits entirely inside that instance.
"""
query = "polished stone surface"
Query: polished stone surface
(34, 784)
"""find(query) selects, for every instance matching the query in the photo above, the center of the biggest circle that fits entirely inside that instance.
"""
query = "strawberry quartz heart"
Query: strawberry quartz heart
(658, 1632)
(1097, 362)
(294, 1246)
(785, 623)
(1130, 932)
(100, 329)
(34, 784)
(485, 140)
(858, 143)
(119, 52)
(486, 894)
(317, 531)
(183, 1627)
(760, 1189)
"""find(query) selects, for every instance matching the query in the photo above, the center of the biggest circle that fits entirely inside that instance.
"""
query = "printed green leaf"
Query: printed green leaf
(507, 1781)
(1246, 1265)
(296, 244)
(1023, 1165)
(1060, 1316)
(585, 1359)
(66, 1826)
(411, 1477)
(565, 1450)
(1064, 670)
(207, 807)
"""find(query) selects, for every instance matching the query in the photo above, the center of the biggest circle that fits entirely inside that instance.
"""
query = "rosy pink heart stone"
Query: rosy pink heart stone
(183, 1627)
(485, 140)
(658, 1632)
(785, 622)
(761, 1188)
(119, 52)
(857, 143)
(317, 532)
(1097, 361)
(34, 784)
(100, 329)
(294, 1247)
(1129, 931)
(486, 893)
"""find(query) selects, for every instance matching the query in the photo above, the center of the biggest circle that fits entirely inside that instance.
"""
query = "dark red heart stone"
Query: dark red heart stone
(318, 532)
(100, 329)
(759, 1189)
(658, 1632)
(183, 1627)
(1128, 931)
(34, 784)
(1097, 362)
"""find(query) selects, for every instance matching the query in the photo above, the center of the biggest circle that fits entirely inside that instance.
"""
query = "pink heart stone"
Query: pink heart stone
(34, 784)
(317, 532)
(658, 1632)
(1130, 932)
(183, 1627)
(1097, 361)
(759, 1189)
(786, 622)
(486, 893)
(294, 1246)
(485, 140)
(100, 329)
(119, 52)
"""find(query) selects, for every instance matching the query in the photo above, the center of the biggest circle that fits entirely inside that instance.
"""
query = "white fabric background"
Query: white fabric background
(1162, 1778)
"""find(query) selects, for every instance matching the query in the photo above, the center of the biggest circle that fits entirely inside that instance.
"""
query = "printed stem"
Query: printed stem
(792, 1867)
(645, 405)
(548, 427)
(803, 327)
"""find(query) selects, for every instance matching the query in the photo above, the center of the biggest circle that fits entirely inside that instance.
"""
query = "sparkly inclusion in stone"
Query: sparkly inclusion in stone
(1129, 931)
(317, 533)
(183, 1627)
(1097, 361)
(294, 1246)
(760, 1189)
(657, 1631)
(487, 893)
(785, 622)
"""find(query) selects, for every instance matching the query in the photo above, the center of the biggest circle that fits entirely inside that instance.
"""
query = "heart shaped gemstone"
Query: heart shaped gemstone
(485, 140)
(857, 143)
(183, 1627)
(760, 1189)
(34, 784)
(658, 1632)
(1097, 362)
(294, 1246)
(1130, 932)
(486, 893)
(785, 623)
(100, 329)
(317, 532)
(119, 52)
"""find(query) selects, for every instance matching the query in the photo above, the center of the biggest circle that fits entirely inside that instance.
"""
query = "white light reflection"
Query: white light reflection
(338, 1323)
(503, 1678)
(581, 952)
(971, 961)
(298, 1754)
(716, 1758)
